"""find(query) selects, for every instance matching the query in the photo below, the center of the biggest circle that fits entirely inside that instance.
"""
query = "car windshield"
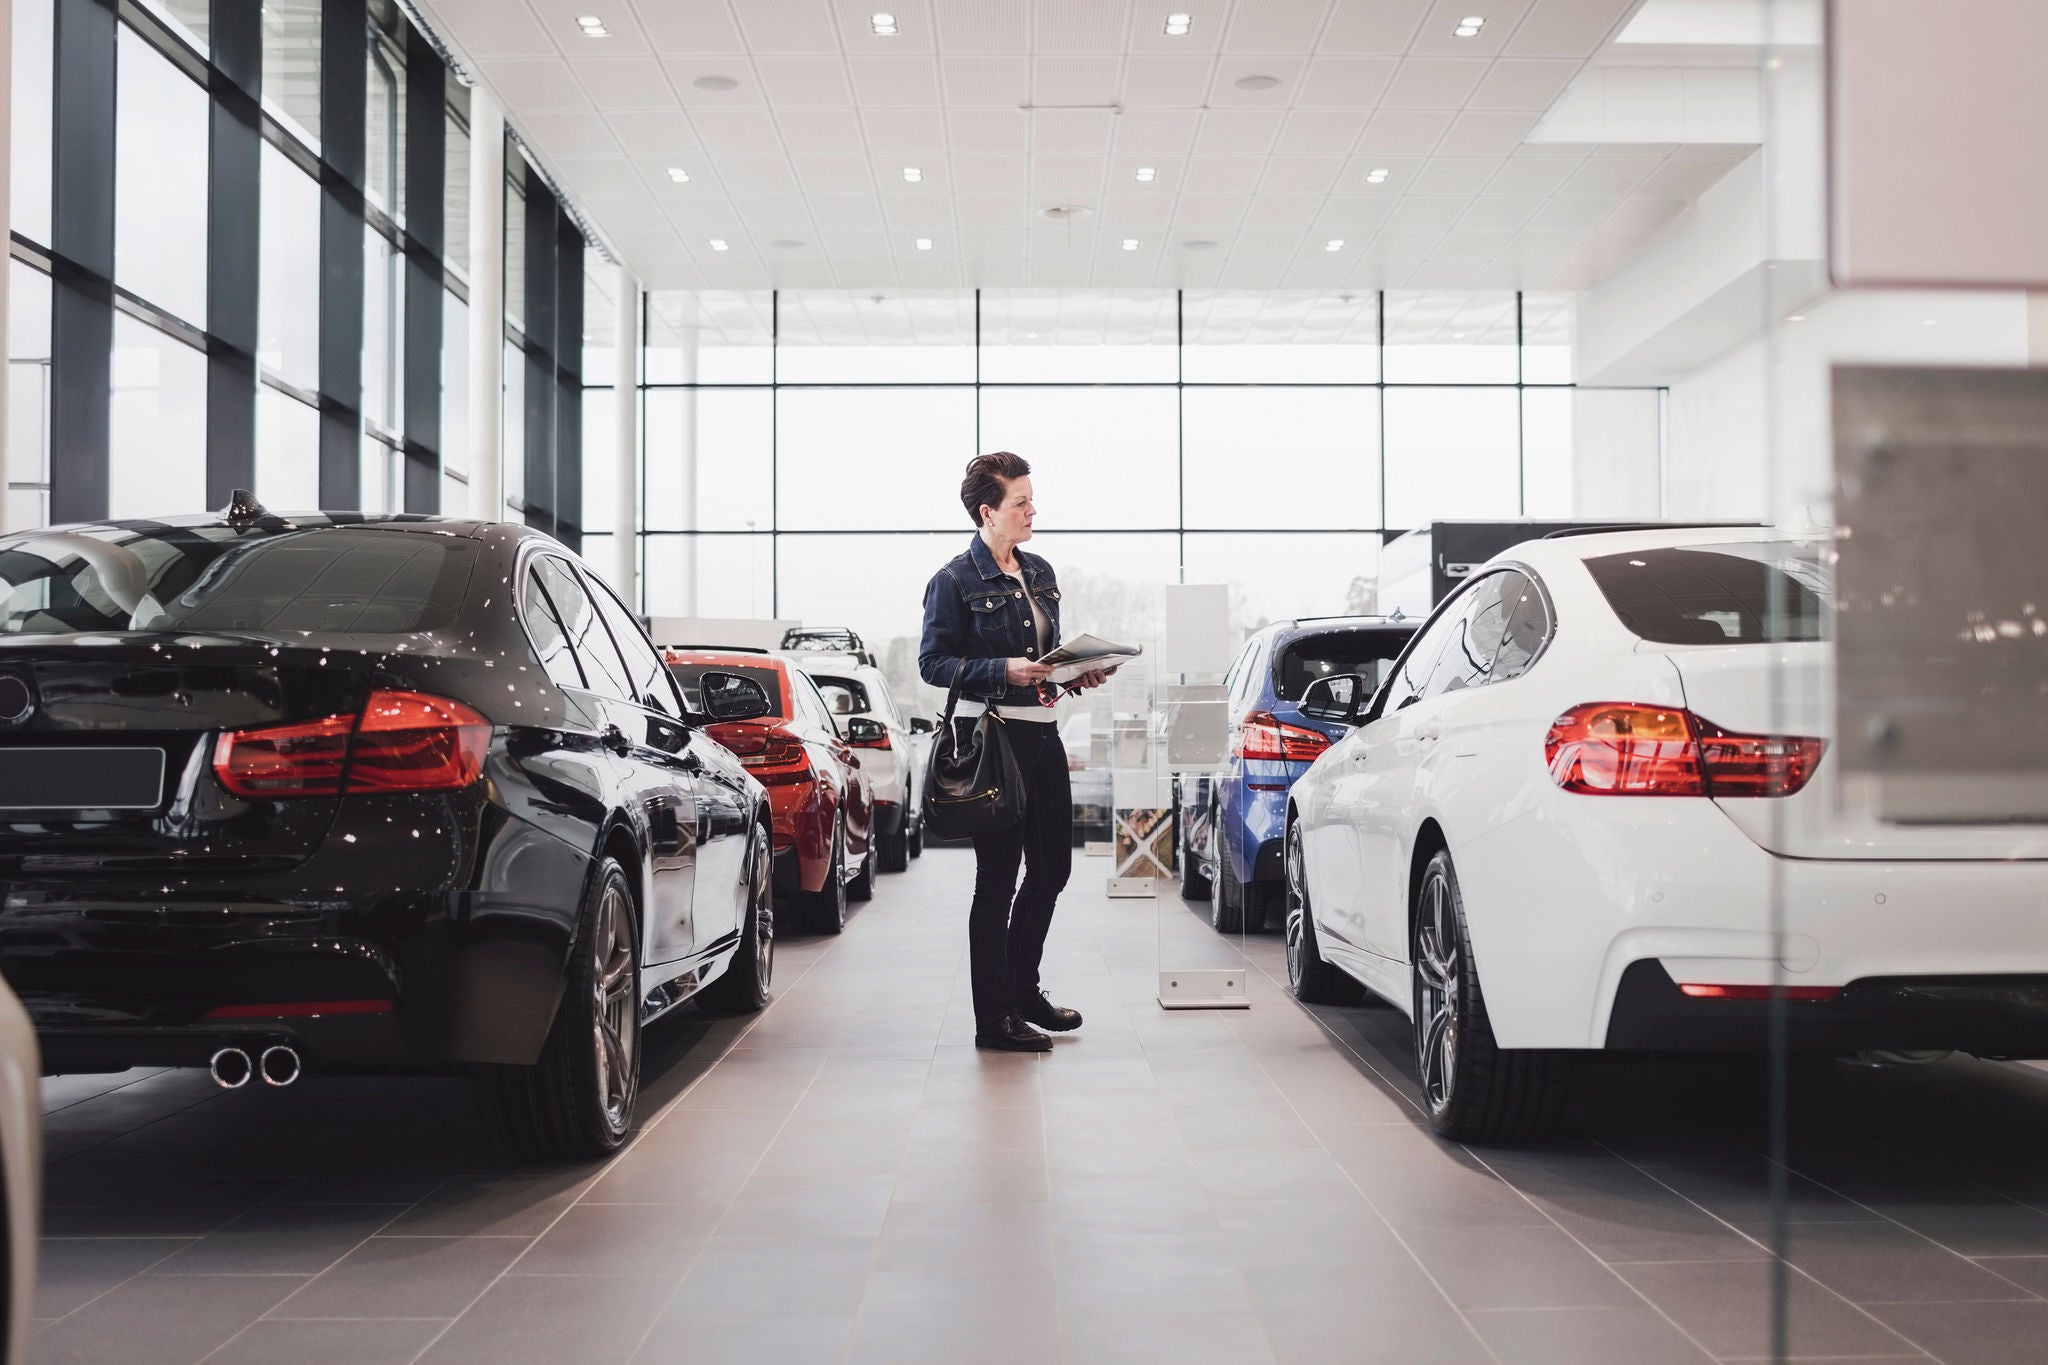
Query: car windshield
(301, 580)
(845, 696)
(1364, 652)
(1741, 594)
(687, 674)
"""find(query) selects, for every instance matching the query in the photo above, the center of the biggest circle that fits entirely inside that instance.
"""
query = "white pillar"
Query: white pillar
(6, 216)
(626, 441)
(486, 306)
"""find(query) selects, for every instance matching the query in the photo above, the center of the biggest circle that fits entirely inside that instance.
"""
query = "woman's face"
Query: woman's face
(1012, 520)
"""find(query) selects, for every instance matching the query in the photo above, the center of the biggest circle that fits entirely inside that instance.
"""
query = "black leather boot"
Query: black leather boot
(1011, 1034)
(1036, 1009)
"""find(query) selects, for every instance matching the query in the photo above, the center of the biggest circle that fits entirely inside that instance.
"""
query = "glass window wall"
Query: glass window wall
(32, 109)
(291, 65)
(157, 449)
(288, 295)
(160, 158)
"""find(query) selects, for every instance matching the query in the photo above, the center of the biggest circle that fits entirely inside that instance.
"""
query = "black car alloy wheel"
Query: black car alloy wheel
(1297, 909)
(615, 1012)
(1438, 972)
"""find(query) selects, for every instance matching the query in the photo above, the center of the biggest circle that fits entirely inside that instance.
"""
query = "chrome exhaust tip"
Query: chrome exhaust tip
(280, 1066)
(231, 1068)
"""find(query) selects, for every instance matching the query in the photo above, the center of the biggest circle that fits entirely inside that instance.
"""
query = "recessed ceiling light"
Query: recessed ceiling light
(1256, 82)
(1796, 317)
(679, 175)
(1469, 26)
(884, 25)
(718, 244)
(924, 244)
(1200, 244)
(715, 83)
(1334, 244)
(1376, 176)
(1177, 25)
(590, 21)
(1130, 244)
(1148, 173)
(912, 174)
(596, 31)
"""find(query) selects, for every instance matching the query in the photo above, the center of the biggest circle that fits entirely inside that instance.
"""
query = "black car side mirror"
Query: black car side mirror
(863, 732)
(1340, 699)
(730, 696)
(922, 725)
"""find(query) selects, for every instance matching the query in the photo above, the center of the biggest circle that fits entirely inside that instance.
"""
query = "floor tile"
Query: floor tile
(747, 1341)
(492, 1206)
(909, 1318)
(1516, 1268)
(71, 1271)
(810, 1206)
(1726, 1306)
(157, 1319)
(1586, 1336)
(622, 1239)
(775, 1277)
(405, 1277)
(275, 1240)
(548, 1319)
(1973, 1333)
(329, 1342)
(1888, 1264)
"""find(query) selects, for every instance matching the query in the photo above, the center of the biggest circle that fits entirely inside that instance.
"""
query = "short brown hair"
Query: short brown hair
(988, 479)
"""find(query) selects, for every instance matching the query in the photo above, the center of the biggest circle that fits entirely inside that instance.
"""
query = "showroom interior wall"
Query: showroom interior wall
(1730, 308)
(240, 259)
(803, 447)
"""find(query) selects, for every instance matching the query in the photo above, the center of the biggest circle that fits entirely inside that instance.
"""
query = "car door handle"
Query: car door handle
(615, 739)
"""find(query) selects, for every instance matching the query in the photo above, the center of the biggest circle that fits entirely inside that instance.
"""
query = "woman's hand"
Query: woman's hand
(1023, 672)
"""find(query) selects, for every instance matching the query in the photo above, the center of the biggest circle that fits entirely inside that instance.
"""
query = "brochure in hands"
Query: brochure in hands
(1086, 652)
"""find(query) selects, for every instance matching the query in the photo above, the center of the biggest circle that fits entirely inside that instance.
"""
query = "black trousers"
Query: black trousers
(1006, 927)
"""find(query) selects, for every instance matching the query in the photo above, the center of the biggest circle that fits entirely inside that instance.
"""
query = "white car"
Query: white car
(855, 689)
(1565, 820)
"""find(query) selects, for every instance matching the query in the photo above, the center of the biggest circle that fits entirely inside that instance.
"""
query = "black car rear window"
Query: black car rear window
(1367, 652)
(1718, 594)
(317, 580)
(686, 676)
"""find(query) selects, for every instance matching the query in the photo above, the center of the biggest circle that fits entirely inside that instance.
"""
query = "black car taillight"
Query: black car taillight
(402, 742)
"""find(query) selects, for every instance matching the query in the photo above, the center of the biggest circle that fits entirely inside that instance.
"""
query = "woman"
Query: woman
(989, 615)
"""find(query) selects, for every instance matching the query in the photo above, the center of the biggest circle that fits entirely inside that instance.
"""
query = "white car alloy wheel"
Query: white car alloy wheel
(1437, 990)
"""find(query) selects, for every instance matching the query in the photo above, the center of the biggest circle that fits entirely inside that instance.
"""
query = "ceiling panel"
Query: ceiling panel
(810, 144)
(805, 82)
(992, 82)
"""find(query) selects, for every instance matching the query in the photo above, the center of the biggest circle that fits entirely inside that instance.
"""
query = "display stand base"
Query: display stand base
(1133, 888)
(1207, 989)
(1098, 848)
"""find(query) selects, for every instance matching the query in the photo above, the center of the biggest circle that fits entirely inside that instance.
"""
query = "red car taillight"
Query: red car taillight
(1629, 749)
(401, 742)
(773, 756)
(1265, 737)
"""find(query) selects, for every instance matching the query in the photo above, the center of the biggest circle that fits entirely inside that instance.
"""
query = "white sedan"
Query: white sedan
(1565, 822)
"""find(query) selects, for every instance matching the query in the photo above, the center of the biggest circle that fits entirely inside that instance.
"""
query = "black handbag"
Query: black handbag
(971, 787)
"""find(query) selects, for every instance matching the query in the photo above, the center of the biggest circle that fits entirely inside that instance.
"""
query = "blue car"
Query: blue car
(1232, 822)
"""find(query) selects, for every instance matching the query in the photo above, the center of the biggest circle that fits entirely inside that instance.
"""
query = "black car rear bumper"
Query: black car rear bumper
(1997, 1016)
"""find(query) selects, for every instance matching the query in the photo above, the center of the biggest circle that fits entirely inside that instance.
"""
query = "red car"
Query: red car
(822, 806)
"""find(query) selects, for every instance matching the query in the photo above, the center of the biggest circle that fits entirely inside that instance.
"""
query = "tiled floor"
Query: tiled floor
(845, 1178)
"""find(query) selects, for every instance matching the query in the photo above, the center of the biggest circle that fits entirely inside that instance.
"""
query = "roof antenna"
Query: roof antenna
(243, 509)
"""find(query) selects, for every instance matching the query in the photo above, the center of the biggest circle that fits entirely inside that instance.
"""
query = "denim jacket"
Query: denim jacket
(976, 617)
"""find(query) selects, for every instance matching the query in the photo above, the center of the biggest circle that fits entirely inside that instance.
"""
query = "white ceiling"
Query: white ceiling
(799, 167)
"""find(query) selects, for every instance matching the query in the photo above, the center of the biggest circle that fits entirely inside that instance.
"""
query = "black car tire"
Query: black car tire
(1193, 885)
(1313, 981)
(893, 850)
(827, 905)
(744, 987)
(571, 1105)
(1473, 1089)
(1226, 910)
(915, 840)
(862, 887)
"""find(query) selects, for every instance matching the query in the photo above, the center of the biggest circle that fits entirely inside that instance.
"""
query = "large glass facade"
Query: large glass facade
(268, 288)
(803, 449)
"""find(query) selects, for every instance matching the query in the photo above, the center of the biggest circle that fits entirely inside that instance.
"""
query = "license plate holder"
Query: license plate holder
(81, 778)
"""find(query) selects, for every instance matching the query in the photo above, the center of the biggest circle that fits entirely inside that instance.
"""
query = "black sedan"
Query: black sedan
(345, 793)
